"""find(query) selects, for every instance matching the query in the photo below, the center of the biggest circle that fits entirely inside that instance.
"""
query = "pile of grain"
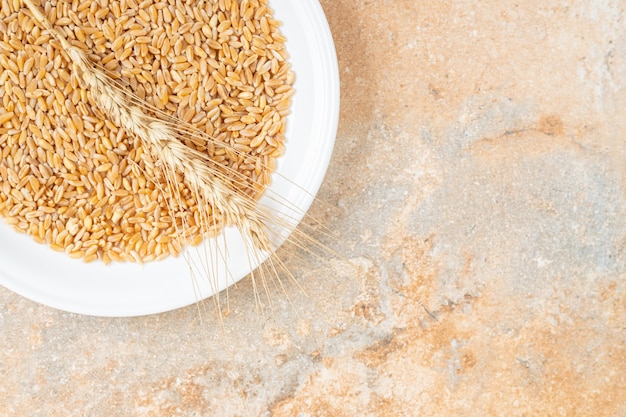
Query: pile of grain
(74, 180)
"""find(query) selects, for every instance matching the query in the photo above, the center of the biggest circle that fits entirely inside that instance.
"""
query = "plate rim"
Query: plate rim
(326, 128)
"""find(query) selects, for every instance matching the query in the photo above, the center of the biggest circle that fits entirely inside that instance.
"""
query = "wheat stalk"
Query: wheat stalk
(161, 140)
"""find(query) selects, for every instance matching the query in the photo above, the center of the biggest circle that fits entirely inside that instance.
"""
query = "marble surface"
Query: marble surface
(478, 190)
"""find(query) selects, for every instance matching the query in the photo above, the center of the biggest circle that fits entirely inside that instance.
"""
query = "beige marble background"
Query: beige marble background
(478, 186)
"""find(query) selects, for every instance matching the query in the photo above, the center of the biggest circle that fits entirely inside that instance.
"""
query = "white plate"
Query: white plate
(126, 289)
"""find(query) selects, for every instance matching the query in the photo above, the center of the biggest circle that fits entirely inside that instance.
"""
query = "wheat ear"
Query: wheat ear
(161, 140)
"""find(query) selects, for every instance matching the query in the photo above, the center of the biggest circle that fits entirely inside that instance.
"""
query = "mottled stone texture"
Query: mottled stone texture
(478, 188)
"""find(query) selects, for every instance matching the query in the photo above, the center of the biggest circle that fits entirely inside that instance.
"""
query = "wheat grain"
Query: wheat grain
(76, 160)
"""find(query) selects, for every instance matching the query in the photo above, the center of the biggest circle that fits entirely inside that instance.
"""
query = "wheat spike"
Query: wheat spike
(161, 140)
